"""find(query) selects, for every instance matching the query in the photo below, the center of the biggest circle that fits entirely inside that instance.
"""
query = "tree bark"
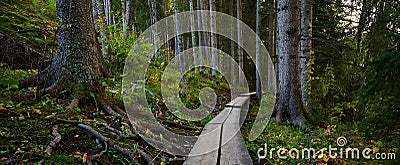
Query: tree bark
(272, 44)
(289, 104)
(305, 48)
(239, 33)
(98, 13)
(78, 58)
(258, 84)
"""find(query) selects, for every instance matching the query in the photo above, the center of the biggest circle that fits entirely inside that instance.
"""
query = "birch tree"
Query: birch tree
(289, 104)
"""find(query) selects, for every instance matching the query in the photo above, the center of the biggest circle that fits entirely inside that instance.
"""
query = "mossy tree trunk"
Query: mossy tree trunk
(289, 103)
(78, 56)
(78, 59)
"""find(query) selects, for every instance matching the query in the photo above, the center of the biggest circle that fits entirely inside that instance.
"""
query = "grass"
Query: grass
(287, 136)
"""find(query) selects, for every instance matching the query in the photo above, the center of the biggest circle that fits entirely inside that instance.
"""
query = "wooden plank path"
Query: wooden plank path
(221, 141)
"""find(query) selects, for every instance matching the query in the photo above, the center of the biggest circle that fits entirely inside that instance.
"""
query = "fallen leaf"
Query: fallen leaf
(84, 158)
(38, 111)
(375, 149)
(326, 158)
(77, 154)
(2, 108)
(125, 124)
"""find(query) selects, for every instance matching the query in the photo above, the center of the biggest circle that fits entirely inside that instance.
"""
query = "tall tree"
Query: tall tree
(178, 47)
(289, 104)
(239, 33)
(272, 43)
(258, 84)
(192, 31)
(129, 15)
(213, 58)
(78, 58)
(305, 48)
(98, 15)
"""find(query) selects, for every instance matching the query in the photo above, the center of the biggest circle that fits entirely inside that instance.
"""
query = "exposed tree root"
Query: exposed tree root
(108, 142)
(12, 161)
(148, 157)
(119, 133)
(282, 112)
(96, 156)
(177, 125)
(55, 141)
(52, 89)
(107, 109)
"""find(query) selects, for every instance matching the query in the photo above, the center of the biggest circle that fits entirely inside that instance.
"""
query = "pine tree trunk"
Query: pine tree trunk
(192, 32)
(272, 44)
(289, 104)
(258, 84)
(78, 58)
(239, 34)
(98, 13)
(305, 47)
(178, 47)
(213, 58)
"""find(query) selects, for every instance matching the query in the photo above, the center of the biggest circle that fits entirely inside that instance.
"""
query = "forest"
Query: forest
(199, 82)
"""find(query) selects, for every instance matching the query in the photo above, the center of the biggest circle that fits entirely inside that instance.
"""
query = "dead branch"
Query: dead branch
(55, 141)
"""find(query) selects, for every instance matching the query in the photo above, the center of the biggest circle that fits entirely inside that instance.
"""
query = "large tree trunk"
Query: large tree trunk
(289, 104)
(78, 58)
(305, 48)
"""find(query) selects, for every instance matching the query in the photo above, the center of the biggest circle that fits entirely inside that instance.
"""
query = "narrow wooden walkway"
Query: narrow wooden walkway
(221, 141)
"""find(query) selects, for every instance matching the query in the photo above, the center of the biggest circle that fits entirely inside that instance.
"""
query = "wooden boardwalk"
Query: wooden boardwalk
(221, 141)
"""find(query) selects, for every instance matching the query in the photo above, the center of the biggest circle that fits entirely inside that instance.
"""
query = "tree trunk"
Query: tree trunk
(305, 48)
(213, 58)
(239, 33)
(178, 47)
(78, 58)
(192, 32)
(200, 24)
(258, 84)
(98, 15)
(289, 104)
(272, 44)
(128, 17)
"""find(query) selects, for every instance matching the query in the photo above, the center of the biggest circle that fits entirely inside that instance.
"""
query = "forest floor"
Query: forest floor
(27, 120)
